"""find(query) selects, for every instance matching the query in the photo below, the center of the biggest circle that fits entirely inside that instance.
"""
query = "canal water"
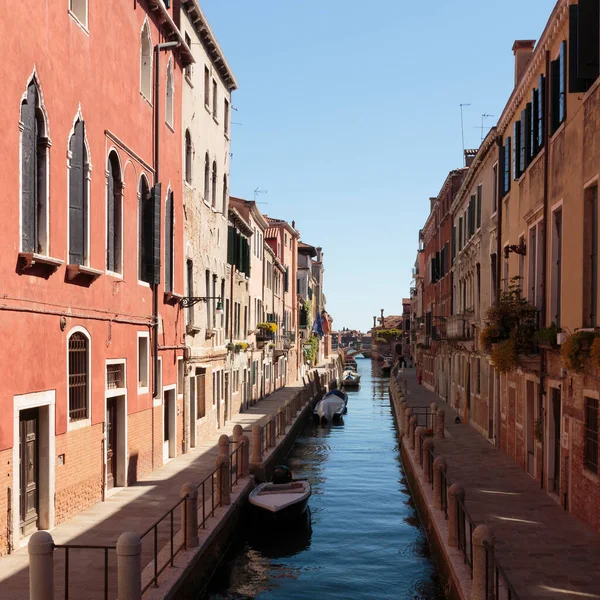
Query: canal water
(362, 538)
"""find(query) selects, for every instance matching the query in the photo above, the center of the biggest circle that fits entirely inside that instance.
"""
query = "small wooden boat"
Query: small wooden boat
(339, 394)
(350, 379)
(387, 365)
(283, 498)
(330, 408)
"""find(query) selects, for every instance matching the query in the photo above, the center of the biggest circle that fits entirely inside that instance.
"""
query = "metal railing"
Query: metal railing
(67, 547)
(444, 485)
(430, 465)
(499, 588)
(209, 483)
(266, 436)
(170, 514)
(236, 464)
(424, 416)
(464, 524)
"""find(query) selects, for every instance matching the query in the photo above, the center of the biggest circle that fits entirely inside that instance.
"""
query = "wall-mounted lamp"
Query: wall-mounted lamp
(191, 300)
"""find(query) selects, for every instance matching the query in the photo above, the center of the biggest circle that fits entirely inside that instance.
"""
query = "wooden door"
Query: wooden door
(111, 442)
(530, 428)
(556, 449)
(29, 470)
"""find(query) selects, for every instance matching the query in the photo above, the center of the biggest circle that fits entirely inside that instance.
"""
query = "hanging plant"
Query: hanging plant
(487, 337)
(546, 336)
(268, 327)
(230, 347)
(505, 356)
(241, 347)
(576, 349)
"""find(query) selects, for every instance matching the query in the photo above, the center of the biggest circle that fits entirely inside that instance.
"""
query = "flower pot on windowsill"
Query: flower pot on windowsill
(210, 333)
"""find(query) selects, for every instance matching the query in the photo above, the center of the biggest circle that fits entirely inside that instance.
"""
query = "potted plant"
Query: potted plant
(241, 347)
(505, 356)
(577, 348)
(230, 347)
(546, 336)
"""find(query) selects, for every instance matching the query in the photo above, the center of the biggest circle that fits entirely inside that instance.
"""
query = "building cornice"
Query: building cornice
(555, 25)
(209, 41)
(240, 222)
(163, 18)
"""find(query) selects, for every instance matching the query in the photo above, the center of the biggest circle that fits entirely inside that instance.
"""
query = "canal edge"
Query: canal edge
(457, 582)
(195, 566)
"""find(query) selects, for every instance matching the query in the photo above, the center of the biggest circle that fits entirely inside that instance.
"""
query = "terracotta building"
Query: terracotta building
(83, 303)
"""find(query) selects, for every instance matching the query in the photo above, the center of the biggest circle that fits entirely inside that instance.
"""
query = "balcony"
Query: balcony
(288, 339)
(460, 327)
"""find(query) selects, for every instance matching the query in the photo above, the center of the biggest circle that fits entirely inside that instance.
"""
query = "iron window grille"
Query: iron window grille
(78, 377)
(591, 435)
(115, 376)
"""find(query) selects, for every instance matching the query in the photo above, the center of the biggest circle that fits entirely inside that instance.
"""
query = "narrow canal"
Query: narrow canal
(362, 538)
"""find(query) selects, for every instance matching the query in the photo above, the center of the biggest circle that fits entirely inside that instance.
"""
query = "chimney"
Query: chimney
(523, 51)
(374, 322)
(293, 224)
(431, 203)
(470, 157)
(382, 319)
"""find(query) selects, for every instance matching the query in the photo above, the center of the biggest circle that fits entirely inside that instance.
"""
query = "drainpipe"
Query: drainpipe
(544, 260)
(500, 196)
(157, 50)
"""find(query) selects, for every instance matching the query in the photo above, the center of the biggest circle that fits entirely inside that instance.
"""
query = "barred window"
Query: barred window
(78, 377)
(591, 435)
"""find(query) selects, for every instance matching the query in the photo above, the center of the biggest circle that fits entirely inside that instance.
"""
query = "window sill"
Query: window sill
(143, 283)
(215, 120)
(142, 390)
(227, 137)
(172, 298)
(192, 329)
(81, 26)
(207, 107)
(74, 425)
(83, 273)
(31, 259)
(148, 100)
(559, 130)
(189, 80)
(169, 126)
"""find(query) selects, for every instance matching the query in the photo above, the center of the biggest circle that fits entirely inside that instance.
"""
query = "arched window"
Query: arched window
(145, 228)
(146, 62)
(206, 178)
(169, 92)
(225, 193)
(114, 214)
(214, 184)
(79, 376)
(34, 169)
(188, 156)
(169, 242)
(78, 196)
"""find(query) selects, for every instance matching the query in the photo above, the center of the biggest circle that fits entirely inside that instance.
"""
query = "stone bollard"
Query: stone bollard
(411, 432)
(439, 466)
(238, 432)
(41, 566)
(224, 445)
(273, 432)
(407, 416)
(224, 479)
(440, 425)
(433, 410)
(483, 563)
(256, 453)
(419, 431)
(245, 456)
(427, 448)
(281, 421)
(129, 566)
(455, 493)
(404, 385)
(189, 514)
(401, 417)
(288, 415)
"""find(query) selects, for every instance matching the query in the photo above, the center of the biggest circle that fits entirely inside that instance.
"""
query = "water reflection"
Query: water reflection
(362, 538)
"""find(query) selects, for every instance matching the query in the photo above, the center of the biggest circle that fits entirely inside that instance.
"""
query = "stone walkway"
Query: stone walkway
(134, 508)
(545, 551)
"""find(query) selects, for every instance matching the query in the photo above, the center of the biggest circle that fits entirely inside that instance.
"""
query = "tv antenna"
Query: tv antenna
(484, 116)
(259, 191)
(462, 128)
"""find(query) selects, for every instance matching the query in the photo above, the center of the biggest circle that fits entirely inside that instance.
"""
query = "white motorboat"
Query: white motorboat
(330, 407)
(339, 394)
(350, 379)
(283, 498)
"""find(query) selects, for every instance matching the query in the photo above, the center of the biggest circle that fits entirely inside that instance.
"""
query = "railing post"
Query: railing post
(238, 432)
(224, 445)
(280, 422)
(404, 386)
(189, 514)
(433, 410)
(245, 456)
(224, 479)
(427, 448)
(288, 413)
(439, 465)
(407, 416)
(411, 432)
(256, 453)
(456, 493)
(401, 417)
(41, 566)
(418, 442)
(129, 566)
(483, 560)
(440, 424)
(273, 432)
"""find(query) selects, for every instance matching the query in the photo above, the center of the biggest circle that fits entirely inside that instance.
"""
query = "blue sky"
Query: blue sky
(349, 117)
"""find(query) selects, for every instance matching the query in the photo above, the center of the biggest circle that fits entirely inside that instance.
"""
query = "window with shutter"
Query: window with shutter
(479, 193)
(562, 85)
(507, 166)
(206, 178)
(114, 219)
(225, 194)
(533, 125)
(169, 91)
(541, 107)
(584, 45)
(460, 233)
(169, 242)
(146, 63)
(231, 245)
(214, 185)
(554, 95)
(523, 137)
(145, 227)
(453, 242)
(77, 197)
(188, 157)
(190, 288)
(517, 150)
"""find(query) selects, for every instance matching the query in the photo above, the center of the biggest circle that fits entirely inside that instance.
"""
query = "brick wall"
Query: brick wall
(6, 479)
(139, 441)
(79, 480)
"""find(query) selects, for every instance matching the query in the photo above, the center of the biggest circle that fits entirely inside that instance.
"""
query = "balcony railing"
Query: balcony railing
(460, 327)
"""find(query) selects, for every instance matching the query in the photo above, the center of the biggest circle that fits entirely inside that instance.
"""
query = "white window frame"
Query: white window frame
(73, 425)
(117, 274)
(145, 31)
(170, 90)
(76, 17)
(141, 389)
(159, 384)
(180, 380)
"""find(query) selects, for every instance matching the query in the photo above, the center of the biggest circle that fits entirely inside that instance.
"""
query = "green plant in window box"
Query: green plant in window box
(505, 356)
(230, 347)
(241, 347)
(546, 336)
(267, 327)
(576, 349)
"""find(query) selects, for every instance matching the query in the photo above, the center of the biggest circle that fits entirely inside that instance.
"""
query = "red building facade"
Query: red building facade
(91, 244)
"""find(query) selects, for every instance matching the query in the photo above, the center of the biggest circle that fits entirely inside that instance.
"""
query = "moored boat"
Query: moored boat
(330, 408)
(281, 499)
(350, 379)
(386, 367)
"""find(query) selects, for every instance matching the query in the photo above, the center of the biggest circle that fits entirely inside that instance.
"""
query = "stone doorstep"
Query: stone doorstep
(185, 560)
(453, 556)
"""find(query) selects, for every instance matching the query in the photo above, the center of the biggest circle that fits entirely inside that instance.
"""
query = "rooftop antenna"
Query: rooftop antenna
(484, 116)
(259, 191)
(462, 128)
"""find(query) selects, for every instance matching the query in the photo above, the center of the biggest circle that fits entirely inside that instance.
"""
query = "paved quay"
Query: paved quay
(545, 551)
(135, 508)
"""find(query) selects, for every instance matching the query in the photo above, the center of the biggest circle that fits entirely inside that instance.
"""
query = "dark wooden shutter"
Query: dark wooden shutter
(517, 150)
(169, 243)
(562, 99)
(478, 207)
(554, 95)
(247, 257)
(527, 135)
(77, 204)
(533, 117)
(500, 175)
(29, 172)
(523, 143)
(154, 241)
(110, 217)
(588, 42)
(287, 279)
(541, 110)
(507, 166)
(231, 245)
(453, 242)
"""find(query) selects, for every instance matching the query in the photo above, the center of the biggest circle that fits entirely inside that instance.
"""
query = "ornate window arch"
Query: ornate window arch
(114, 213)
(170, 93)
(146, 62)
(79, 374)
